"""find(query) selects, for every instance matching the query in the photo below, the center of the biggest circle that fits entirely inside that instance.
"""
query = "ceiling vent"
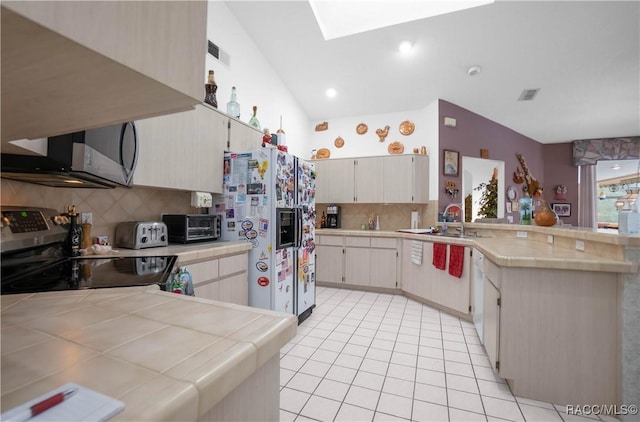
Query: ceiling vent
(528, 94)
(219, 54)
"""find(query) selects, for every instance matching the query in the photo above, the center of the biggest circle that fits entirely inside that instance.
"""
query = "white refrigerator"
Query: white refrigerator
(269, 202)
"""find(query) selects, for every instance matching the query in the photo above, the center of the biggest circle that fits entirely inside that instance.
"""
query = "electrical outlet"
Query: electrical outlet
(549, 238)
(579, 245)
(521, 234)
(86, 218)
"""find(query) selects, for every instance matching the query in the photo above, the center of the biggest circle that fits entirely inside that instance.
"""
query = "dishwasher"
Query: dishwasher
(478, 292)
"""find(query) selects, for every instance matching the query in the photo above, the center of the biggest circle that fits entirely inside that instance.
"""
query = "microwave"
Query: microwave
(191, 228)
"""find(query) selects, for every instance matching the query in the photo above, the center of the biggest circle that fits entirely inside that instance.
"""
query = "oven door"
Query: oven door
(286, 223)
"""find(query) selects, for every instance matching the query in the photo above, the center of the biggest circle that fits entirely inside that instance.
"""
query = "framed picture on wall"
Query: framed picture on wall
(450, 162)
(562, 209)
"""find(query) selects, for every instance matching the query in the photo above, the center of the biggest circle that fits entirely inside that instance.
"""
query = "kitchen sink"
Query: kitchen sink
(458, 235)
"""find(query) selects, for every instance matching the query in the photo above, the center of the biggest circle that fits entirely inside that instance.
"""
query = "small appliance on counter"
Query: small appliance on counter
(141, 234)
(35, 258)
(191, 228)
(333, 217)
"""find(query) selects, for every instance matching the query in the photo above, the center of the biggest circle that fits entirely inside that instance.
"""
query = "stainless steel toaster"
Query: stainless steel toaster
(141, 234)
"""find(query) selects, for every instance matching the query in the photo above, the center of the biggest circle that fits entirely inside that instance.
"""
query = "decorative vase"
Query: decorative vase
(545, 216)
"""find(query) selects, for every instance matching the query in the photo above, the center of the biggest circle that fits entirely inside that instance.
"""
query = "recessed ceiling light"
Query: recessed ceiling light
(331, 92)
(405, 47)
(473, 70)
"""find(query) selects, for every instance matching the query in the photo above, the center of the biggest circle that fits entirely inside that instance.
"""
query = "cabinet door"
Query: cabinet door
(368, 174)
(243, 137)
(235, 289)
(491, 322)
(116, 44)
(341, 181)
(397, 183)
(329, 264)
(209, 291)
(357, 262)
(450, 291)
(322, 181)
(383, 268)
(421, 179)
(181, 151)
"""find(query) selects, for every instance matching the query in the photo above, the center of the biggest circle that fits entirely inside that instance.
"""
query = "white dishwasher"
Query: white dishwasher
(478, 292)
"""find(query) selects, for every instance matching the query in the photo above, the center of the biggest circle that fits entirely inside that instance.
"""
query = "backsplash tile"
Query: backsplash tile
(392, 216)
(109, 206)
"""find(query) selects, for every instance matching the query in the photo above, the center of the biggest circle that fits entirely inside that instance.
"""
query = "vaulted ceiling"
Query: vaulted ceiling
(583, 56)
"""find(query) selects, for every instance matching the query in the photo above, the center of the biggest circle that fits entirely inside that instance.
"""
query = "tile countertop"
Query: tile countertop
(505, 249)
(166, 356)
(188, 252)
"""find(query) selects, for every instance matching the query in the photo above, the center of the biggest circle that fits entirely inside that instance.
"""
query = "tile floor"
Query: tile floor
(365, 356)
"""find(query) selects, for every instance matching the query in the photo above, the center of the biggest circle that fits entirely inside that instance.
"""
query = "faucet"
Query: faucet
(446, 211)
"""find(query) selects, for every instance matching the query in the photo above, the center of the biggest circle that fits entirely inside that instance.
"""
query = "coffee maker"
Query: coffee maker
(333, 217)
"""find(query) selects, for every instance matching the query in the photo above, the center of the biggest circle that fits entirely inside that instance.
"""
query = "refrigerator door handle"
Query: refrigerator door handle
(299, 228)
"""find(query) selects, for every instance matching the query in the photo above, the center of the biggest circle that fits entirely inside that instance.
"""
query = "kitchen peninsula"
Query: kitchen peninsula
(166, 356)
(560, 305)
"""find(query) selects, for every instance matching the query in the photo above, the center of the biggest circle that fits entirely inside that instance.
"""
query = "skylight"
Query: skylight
(341, 18)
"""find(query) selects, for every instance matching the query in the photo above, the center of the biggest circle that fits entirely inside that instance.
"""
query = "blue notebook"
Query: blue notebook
(84, 405)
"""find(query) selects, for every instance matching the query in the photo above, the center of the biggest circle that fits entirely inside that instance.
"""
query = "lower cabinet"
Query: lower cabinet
(223, 278)
(438, 286)
(491, 322)
(357, 260)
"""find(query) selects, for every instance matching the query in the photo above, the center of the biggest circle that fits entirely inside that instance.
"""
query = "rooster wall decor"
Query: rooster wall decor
(382, 133)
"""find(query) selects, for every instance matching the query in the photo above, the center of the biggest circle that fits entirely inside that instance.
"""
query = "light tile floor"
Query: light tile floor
(365, 356)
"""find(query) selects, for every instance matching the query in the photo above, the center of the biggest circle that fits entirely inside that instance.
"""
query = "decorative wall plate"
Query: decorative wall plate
(322, 126)
(395, 148)
(323, 153)
(407, 128)
(339, 142)
(361, 129)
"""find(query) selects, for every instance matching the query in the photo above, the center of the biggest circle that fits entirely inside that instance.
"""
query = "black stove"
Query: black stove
(34, 259)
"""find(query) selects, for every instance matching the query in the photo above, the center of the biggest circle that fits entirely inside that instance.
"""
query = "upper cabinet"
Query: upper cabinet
(69, 66)
(243, 137)
(393, 179)
(182, 150)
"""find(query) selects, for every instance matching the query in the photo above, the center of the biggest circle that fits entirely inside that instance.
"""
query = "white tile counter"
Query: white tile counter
(166, 356)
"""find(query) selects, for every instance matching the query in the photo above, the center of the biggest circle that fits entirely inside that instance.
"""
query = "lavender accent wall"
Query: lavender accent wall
(559, 170)
(473, 132)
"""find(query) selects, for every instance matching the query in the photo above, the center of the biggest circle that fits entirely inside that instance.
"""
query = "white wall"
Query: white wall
(355, 145)
(255, 80)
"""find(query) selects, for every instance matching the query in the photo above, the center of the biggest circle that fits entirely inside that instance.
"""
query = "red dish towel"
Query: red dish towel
(456, 259)
(439, 255)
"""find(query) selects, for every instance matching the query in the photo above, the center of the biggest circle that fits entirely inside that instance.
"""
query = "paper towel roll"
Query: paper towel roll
(415, 219)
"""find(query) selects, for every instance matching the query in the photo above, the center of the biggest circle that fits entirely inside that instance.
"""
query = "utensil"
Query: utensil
(339, 142)
(395, 148)
(361, 129)
(323, 153)
(407, 128)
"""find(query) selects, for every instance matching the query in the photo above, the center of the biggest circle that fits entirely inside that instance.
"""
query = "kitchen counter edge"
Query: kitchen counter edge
(505, 251)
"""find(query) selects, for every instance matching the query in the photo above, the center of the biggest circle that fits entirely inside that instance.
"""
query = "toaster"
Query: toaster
(141, 234)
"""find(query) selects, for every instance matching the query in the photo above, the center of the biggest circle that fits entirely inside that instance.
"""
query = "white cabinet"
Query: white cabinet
(329, 259)
(223, 279)
(335, 181)
(385, 179)
(242, 137)
(357, 261)
(438, 286)
(384, 263)
(491, 324)
(368, 172)
(406, 179)
(69, 66)
(182, 150)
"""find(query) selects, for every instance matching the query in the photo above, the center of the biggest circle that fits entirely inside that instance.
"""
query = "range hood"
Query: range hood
(97, 158)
